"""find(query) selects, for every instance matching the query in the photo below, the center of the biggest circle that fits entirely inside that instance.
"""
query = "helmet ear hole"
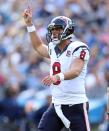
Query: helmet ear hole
(70, 31)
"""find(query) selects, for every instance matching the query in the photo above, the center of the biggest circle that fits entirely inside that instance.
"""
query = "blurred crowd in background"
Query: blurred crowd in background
(22, 95)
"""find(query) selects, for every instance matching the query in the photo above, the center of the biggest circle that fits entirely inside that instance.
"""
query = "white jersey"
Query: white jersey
(68, 91)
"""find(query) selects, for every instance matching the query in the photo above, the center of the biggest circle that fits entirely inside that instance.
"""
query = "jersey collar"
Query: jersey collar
(58, 51)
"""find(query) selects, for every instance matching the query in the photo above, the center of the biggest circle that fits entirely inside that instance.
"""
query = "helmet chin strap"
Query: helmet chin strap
(56, 42)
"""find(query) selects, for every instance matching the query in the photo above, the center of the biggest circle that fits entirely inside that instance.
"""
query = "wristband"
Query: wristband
(31, 28)
(61, 76)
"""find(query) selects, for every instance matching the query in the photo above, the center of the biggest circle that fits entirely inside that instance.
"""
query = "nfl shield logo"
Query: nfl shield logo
(68, 53)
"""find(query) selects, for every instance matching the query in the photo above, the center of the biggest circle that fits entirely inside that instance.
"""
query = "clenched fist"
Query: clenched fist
(27, 15)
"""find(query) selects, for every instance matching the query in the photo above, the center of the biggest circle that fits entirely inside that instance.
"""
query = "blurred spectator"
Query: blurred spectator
(9, 107)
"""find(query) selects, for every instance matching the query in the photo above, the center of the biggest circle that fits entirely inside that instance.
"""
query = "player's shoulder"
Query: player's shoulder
(80, 50)
(77, 43)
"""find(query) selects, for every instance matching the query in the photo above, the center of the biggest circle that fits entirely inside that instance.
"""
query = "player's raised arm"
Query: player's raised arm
(37, 43)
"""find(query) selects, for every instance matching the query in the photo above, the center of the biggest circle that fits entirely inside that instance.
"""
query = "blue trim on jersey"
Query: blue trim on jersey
(80, 47)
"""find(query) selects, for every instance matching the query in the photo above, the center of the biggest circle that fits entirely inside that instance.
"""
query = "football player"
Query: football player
(69, 58)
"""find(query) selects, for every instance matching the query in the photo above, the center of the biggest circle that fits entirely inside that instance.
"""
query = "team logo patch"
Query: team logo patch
(68, 53)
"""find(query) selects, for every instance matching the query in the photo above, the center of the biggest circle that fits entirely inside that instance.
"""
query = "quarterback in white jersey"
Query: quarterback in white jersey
(70, 91)
(69, 58)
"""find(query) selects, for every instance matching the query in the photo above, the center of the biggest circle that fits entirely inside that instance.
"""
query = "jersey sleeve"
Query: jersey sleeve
(82, 53)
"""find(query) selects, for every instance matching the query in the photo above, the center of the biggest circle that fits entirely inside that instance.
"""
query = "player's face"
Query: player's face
(56, 32)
